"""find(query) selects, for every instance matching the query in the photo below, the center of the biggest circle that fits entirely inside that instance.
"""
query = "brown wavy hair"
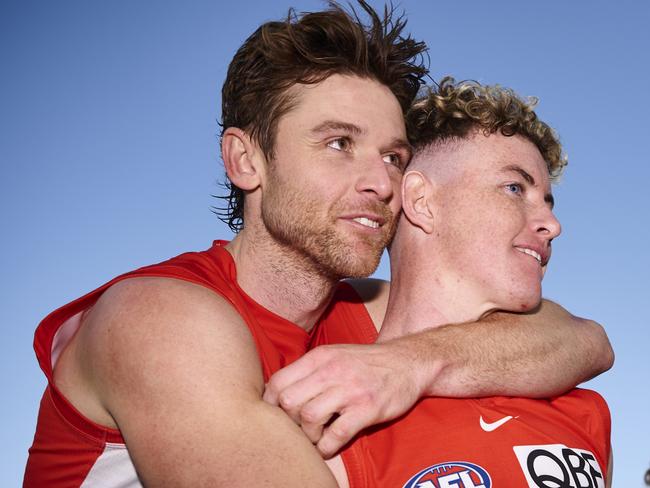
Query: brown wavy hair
(453, 110)
(308, 48)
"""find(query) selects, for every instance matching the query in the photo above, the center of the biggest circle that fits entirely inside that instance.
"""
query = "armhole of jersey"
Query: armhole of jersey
(604, 414)
(354, 465)
(603, 409)
(69, 413)
(78, 421)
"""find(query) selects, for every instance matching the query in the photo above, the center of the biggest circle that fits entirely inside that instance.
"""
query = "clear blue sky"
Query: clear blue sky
(109, 156)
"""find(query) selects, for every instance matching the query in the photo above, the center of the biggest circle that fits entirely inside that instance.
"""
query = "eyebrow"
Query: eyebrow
(331, 125)
(548, 198)
(524, 174)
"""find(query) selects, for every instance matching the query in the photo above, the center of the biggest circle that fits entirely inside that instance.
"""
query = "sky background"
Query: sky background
(109, 157)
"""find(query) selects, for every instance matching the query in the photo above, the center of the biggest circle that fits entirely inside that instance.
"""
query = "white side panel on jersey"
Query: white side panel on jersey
(113, 469)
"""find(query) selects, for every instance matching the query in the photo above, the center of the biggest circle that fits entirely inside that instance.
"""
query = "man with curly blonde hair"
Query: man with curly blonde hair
(474, 237)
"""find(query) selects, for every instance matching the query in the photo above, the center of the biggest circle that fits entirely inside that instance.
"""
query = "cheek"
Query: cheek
(464, 236)
(479, 235)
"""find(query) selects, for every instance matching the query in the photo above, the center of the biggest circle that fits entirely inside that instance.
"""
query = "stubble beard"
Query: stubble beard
(298, 223)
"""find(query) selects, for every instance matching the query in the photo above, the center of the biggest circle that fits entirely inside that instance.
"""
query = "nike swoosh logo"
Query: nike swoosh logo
(490, 426)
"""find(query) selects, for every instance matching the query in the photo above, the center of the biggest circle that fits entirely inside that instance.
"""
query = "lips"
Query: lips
(541, 255)
(373, 224)
(370, 218)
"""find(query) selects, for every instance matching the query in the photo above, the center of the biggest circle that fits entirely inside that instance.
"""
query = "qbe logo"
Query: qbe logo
(559, 466)
(455, 474)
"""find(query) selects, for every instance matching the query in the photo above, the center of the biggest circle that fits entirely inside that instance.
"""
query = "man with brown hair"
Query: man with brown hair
(157, 377)
(474, 237)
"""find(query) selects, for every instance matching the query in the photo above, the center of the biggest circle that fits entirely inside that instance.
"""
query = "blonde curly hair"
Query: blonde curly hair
(454, 110)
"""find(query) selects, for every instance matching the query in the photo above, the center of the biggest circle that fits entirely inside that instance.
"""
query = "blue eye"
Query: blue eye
(514, 188)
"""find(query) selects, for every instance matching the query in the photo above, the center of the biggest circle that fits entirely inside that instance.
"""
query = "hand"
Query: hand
(333, 392)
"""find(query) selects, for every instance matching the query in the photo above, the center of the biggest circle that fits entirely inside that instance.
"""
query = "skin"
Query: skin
(497, 190)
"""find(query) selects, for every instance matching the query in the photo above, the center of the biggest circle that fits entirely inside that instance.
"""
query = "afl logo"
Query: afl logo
(455, 474)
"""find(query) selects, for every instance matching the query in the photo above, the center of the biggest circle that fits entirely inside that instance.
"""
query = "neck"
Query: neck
(423, 296)
(279, 278)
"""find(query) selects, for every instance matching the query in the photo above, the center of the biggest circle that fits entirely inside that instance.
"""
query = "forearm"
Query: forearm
(222, 450)
(536, 354)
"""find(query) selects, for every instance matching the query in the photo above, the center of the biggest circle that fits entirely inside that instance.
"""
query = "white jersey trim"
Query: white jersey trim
(113, 469)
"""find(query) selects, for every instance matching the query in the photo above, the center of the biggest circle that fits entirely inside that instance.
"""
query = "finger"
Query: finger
(313, 430)
(295, 396)
(319, 411)
(271, 393)
(298, 370)
(284, 378)
(341, 431)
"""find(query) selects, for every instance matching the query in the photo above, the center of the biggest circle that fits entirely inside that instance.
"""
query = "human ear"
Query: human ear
(240, 159)
(416, 200)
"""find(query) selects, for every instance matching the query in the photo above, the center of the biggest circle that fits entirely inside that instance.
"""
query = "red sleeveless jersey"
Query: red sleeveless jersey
(473, 443)
(69, 450)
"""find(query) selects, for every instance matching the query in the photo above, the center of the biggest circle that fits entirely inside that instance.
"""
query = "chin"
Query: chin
(356, 268)
(528, 306)
(346, 262)
(528, 303)
(523, 300)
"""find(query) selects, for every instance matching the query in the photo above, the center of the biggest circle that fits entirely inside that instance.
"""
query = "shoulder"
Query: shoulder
(145, 329)
(159, 308)
(143, 297)
(589, 409)
(374, 294)
(592, 399)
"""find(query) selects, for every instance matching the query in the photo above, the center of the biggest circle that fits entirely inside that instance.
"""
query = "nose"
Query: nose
(376, 178)
(547, 223)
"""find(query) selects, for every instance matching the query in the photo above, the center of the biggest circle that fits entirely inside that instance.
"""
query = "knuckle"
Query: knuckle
(340, 431)
(328, 374)
(367, 398)
(309, 415)
(339, 366)
(286, 401)
(318, 354)
(360, 392)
